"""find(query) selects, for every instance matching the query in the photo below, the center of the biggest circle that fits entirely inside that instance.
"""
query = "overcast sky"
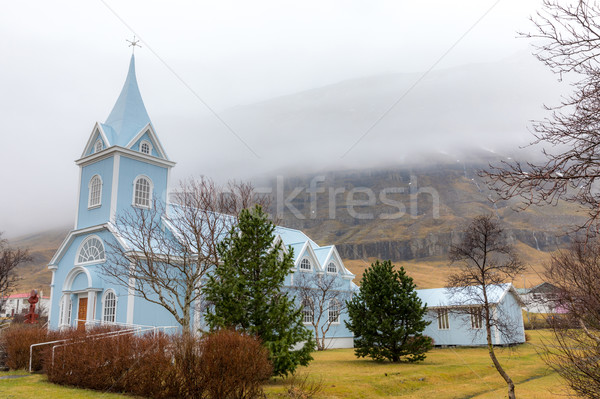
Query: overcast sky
(64, 63)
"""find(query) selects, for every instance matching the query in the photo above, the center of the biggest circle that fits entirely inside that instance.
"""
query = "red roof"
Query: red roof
(18, 296)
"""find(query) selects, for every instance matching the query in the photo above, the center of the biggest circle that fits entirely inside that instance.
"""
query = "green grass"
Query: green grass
(446, 373)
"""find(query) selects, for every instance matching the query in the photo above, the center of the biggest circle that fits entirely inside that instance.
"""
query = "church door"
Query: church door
(82, 313)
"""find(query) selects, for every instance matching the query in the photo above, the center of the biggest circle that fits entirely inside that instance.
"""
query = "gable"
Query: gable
(97, 134)
(148, 136)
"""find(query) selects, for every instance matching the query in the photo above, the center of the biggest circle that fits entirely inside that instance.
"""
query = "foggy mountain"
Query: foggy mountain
(346, 125)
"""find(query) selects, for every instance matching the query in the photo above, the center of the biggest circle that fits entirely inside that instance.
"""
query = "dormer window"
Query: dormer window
(145, 147)
(95, 193)
(305, 264)
(331, 268)
(98, 146)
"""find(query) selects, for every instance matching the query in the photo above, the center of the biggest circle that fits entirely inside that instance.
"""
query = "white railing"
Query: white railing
(132, 329)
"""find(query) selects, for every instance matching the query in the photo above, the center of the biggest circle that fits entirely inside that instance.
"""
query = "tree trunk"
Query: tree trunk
(509, 381)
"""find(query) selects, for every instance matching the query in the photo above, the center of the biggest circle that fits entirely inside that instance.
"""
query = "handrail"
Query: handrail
(61, 340)
(132, 330)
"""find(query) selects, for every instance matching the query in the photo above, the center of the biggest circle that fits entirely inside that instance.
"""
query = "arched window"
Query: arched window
(91, 250)
(95, 195)
(109, 307)
(145, 147)
(142, 192)
(307, 311)
(335, 308)
(305, 264)
(98, 146)
(331, 268)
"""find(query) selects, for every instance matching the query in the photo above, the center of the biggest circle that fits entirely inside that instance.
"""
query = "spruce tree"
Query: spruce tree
(246, 292)
(387, 316)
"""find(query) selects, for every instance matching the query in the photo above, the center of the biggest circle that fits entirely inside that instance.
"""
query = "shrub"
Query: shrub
(233, 365)
(16, 341)
(224, 364)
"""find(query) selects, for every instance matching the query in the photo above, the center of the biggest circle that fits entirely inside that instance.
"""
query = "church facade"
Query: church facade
(124, 165)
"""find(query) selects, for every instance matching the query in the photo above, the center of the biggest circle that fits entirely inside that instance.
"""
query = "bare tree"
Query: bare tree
(10, 258)
(569, 33)
(165, 252)
(575, 353)
(486, 261)
(323, 301)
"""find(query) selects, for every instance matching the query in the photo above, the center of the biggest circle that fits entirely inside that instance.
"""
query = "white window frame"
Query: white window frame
(476, 318)
(98, 146)
(93, 261)
(90, 186)
(104, 308)
(308, 313)
(151, 184)
(149, 147)
(334, 309)
(334, 266)
(303, 262)
(443, 319)
(65, 310)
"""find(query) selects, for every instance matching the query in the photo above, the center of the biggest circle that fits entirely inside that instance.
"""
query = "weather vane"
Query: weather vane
(133, 43)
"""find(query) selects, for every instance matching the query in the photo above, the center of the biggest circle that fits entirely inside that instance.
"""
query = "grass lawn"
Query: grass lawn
(446, 373)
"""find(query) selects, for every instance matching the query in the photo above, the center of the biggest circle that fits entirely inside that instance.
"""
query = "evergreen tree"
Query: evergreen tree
(246, 292)
(386, 316)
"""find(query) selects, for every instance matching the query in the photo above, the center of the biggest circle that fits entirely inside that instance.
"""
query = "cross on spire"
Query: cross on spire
(133, 44)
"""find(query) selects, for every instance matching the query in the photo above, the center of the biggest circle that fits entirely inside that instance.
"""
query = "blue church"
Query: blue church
(124, 165)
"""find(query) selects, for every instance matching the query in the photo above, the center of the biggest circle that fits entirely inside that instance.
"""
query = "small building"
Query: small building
(457, 320)
(19, 304)
(542, 298)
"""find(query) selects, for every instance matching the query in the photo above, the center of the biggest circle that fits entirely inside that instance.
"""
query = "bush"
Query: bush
(233, 365)
(16, 341)
(224, 364)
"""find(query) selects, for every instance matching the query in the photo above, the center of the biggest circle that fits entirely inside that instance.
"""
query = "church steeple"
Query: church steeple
(123, 164)
(129, 114)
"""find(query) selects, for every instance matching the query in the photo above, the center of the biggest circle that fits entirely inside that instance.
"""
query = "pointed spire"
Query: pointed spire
(129, 114)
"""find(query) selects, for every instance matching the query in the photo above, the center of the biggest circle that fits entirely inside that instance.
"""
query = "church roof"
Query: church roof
(129, 114)
(464, 296)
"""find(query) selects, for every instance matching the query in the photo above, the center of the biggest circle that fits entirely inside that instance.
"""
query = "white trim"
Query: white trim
(73, 273)
(331, 262)
(150, 194)
(149, 147)
(304, 261)
(51, 295)
(339, 315)
(99, 204)
(127, 152)
(91, 306)
(98, 141)
(346, 274)
(78, 198)
(130, 298)
(148, 128)
(89, 145)
(307, 251)
(110, 227)
(115, 187)
(91, 262)
(69, 238)
(311, 309)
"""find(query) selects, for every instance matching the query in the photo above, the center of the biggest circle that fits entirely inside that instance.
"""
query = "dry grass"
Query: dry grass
(446, 373)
